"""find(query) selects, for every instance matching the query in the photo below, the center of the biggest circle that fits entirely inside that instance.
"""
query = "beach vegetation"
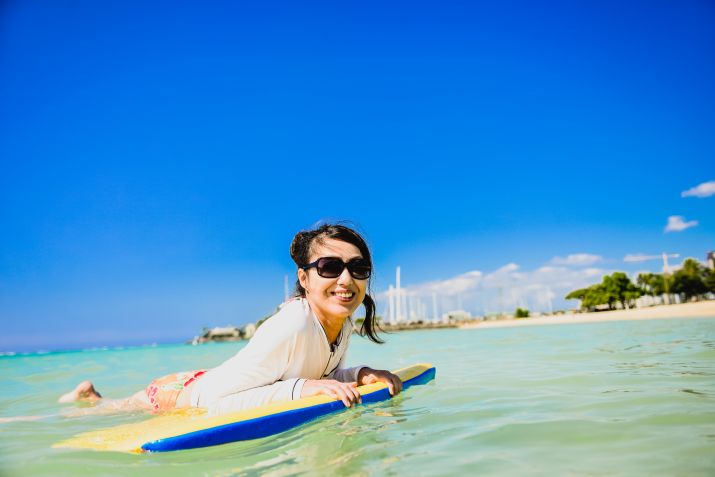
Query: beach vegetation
(579, 294)
(654, 284)
(710, 281)
(691, 279)
(615, 289)
(521, 313)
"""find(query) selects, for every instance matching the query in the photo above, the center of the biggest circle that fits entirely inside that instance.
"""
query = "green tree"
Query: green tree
(599, 294)
(521, 313)
(690, 280)
(614, 288)
(579, 294)
(590, 297)
(652, 283)
(710, 281)
(621, 289)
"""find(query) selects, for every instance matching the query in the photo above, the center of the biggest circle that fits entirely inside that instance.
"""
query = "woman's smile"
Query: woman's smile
(344, 296)
(333, 298)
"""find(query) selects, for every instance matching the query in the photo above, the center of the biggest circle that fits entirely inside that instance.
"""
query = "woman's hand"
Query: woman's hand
(369, 376)
(346, 392)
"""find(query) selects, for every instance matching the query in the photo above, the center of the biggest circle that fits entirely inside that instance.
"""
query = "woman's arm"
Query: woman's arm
(346, 392)
(356, 376)
(256, 397)
(345, 375)
(341, 373)
(262, 362)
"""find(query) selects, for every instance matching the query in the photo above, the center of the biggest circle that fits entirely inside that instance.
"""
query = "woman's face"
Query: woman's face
(332, 298)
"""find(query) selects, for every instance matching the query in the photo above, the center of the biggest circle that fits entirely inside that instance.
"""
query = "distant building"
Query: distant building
(222, 333)
(226, 333)
(456, 315)
(710, 260)
(248, 331)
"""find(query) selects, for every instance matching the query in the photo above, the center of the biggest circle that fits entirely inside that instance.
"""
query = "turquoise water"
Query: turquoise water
(618, 398)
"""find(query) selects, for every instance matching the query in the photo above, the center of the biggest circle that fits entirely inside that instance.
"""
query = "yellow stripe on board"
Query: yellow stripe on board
(130, 437)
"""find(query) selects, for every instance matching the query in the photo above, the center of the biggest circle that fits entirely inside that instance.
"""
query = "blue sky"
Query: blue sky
(157, 157)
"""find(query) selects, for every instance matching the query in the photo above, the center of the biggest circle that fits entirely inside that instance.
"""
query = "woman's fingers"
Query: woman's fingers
(345, 392)
(343, 396)
(394, 384)
(397, 382)
(351, 392)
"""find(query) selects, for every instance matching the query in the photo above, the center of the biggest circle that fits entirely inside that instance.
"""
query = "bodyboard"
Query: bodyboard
(193, 427)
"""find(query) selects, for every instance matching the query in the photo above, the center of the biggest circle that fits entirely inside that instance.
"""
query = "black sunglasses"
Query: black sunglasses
(332, 267)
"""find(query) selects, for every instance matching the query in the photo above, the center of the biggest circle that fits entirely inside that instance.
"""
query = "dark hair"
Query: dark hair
(301, 247)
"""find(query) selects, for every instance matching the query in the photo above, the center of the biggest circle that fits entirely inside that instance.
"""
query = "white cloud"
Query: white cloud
(546, 269)
(508, 268)
(677, 223)
(639, 257)
(451, 286)
(706, 189)
(503, 289)
(577, 259)
(592, 272)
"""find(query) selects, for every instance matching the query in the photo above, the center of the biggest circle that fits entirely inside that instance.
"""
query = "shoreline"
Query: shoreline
(701, 309)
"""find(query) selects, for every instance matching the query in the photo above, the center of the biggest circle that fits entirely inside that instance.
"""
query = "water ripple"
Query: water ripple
(544, 401)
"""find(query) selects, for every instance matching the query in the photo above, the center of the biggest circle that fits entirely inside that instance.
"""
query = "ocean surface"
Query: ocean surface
(621, 398)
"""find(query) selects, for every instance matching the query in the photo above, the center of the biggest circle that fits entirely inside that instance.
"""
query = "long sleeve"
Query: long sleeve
(345, 375)
(340, 372)
(262, 362)
(257, 397)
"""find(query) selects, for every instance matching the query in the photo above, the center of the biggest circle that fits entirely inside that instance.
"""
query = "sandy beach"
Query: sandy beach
(703, 309)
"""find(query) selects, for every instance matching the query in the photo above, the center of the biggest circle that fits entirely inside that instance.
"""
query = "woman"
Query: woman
(298, 352)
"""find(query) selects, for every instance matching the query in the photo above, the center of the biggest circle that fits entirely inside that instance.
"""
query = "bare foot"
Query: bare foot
(83, 392)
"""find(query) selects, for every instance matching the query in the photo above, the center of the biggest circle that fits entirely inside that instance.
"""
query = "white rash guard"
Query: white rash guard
(288, 348)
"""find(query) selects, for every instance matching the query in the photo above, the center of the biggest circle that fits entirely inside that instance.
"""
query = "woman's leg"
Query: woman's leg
(86, 392)
(83, 392)
(137, 402)
(161, 395)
